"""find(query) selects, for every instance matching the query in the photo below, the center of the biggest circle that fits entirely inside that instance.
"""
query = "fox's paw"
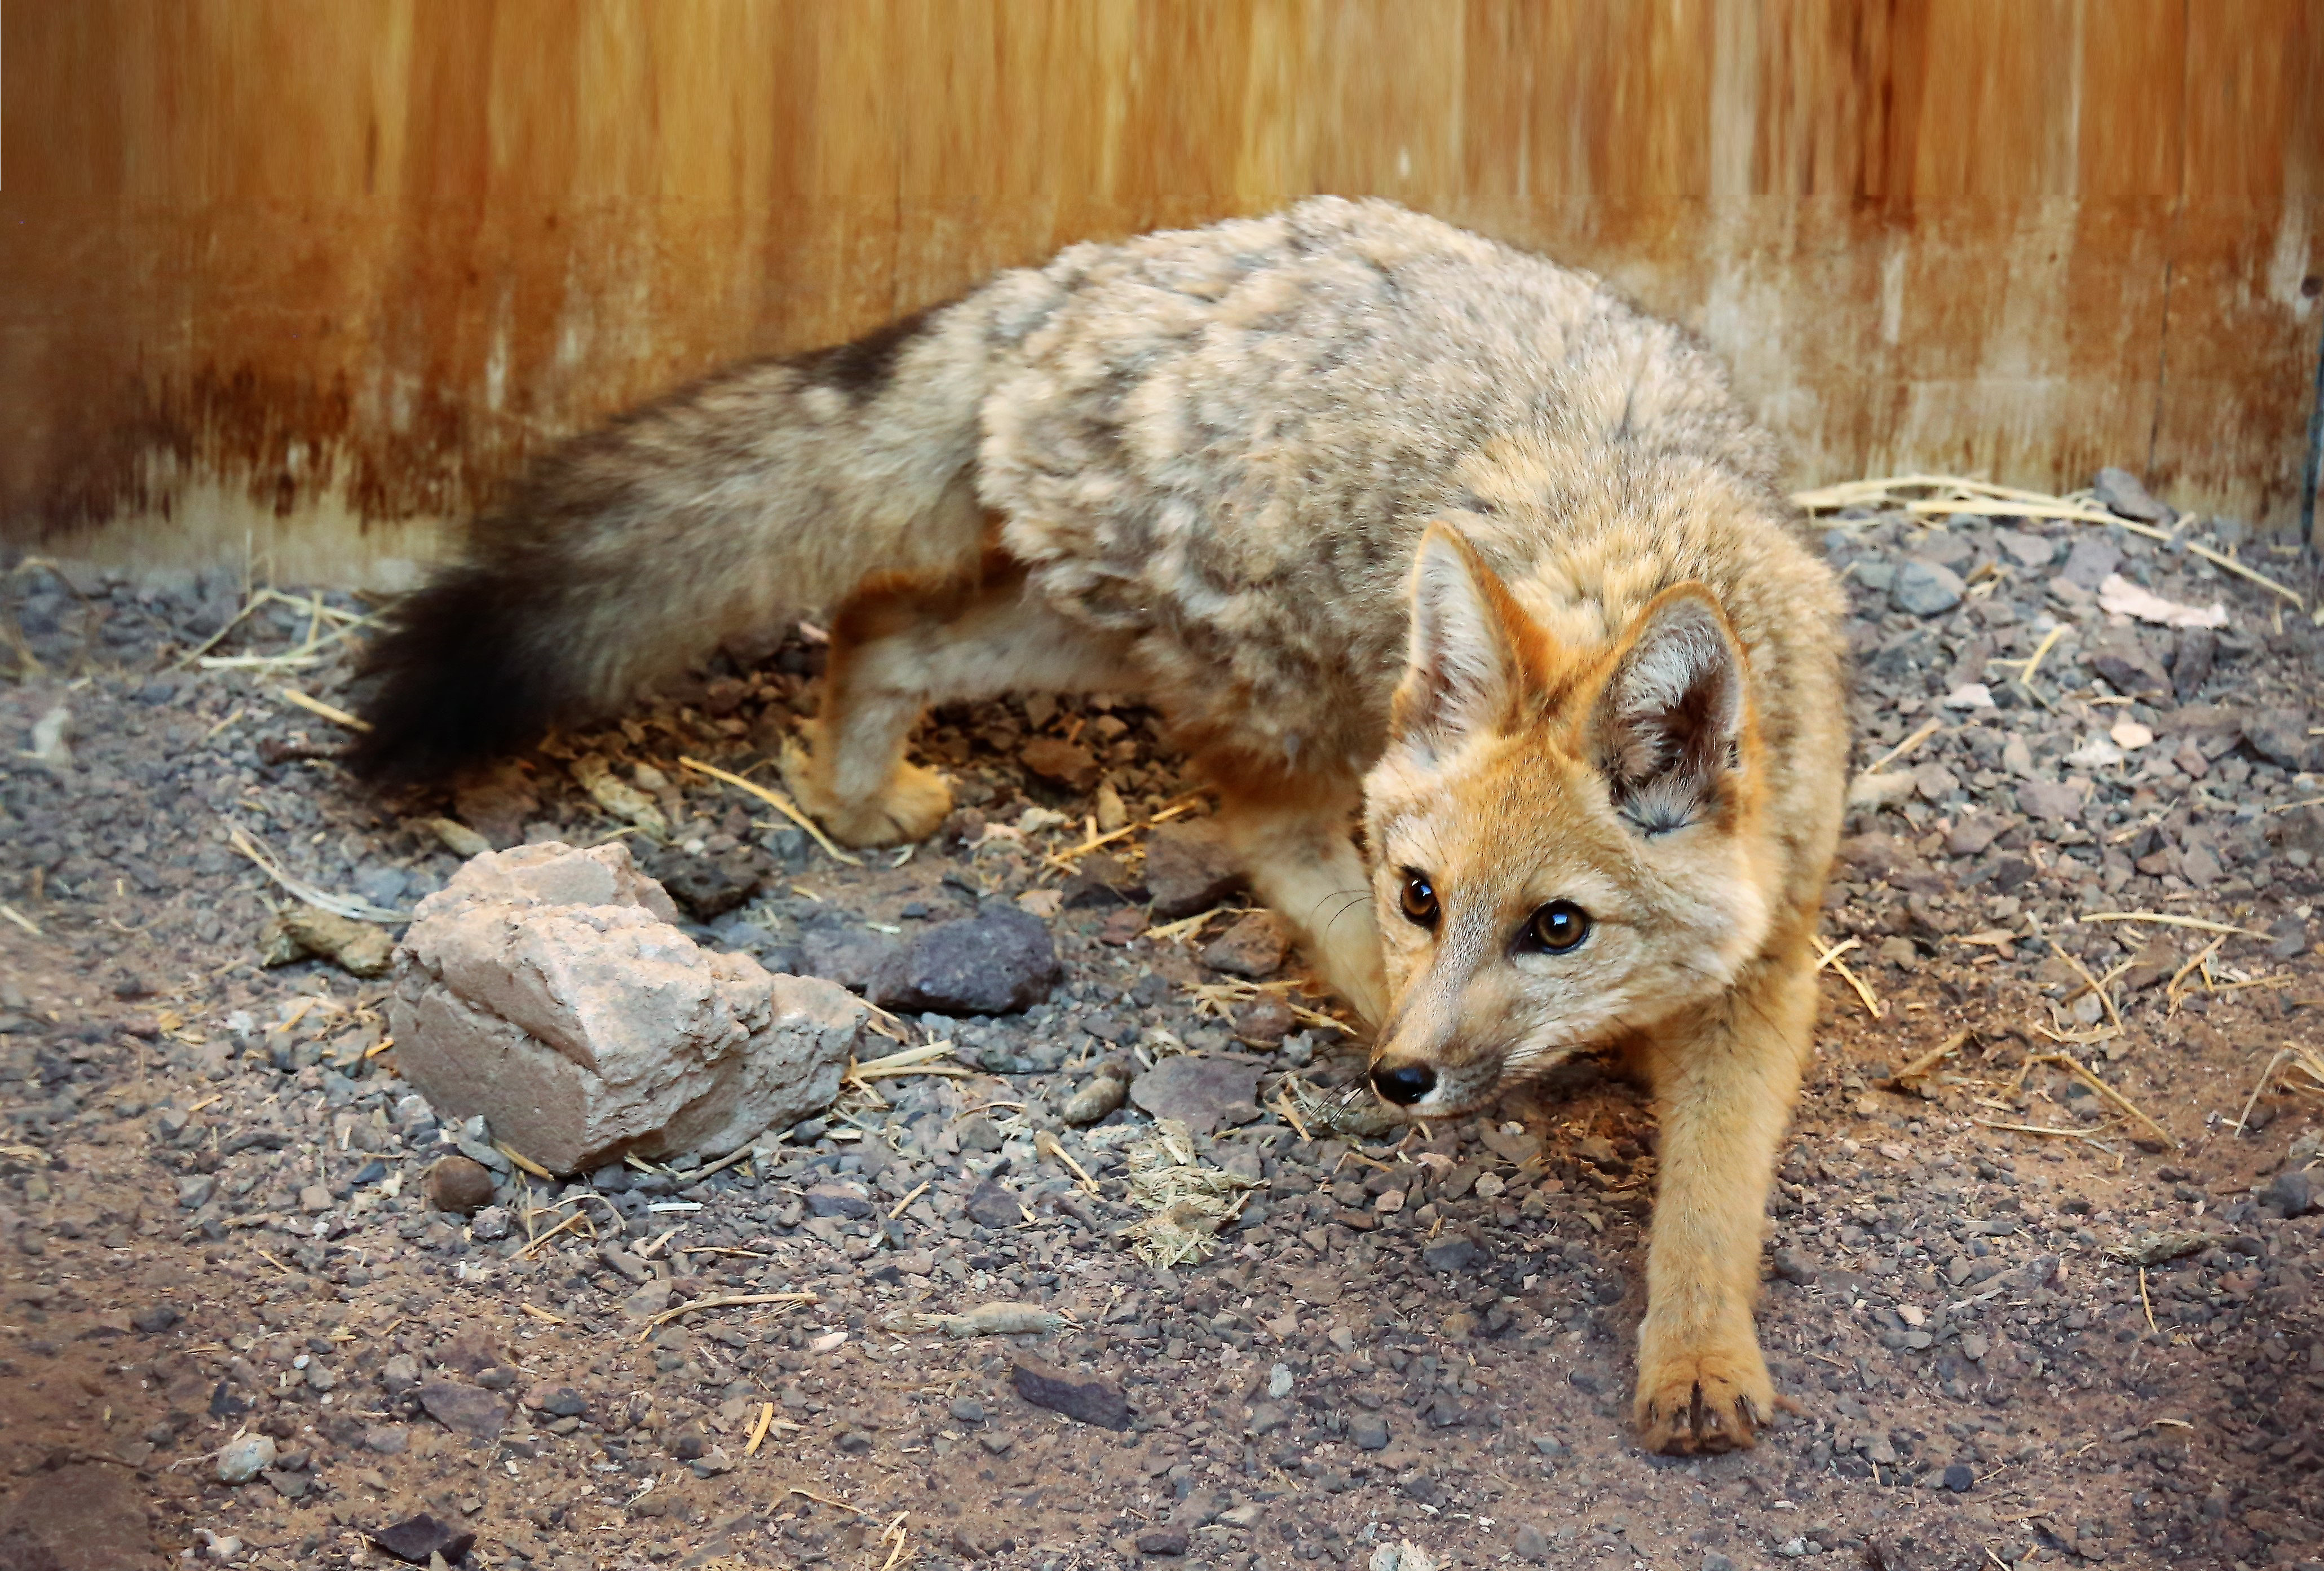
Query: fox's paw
(910, 808)
(1706, 1395)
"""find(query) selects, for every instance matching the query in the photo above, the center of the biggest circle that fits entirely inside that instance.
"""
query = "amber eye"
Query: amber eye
(1419, 898)
(1557, 927)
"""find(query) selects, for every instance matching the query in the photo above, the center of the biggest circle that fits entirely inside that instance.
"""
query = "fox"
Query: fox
(1466, 585)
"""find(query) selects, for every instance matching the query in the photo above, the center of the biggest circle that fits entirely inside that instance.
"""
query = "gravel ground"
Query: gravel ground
(1410, 1347)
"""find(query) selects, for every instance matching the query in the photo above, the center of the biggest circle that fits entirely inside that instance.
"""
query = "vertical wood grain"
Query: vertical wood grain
(326, 275)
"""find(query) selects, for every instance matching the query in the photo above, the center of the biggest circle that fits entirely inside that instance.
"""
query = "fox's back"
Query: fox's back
(1230, 439)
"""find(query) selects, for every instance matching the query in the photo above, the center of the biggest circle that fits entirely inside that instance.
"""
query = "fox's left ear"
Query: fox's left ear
(1466, 667)
(1668, 728)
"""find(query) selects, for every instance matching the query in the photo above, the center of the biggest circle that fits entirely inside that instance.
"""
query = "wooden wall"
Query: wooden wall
(314, 273)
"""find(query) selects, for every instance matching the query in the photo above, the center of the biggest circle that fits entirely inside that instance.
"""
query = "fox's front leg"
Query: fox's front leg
(1723, 1086)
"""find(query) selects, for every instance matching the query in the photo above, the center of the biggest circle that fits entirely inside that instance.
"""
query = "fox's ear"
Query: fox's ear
(1464, 671)
(1668, 728)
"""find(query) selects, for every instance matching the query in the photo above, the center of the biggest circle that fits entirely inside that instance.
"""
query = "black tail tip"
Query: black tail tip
(454, 681)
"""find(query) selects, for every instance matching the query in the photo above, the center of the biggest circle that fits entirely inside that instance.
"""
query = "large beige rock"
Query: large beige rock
(545, 988)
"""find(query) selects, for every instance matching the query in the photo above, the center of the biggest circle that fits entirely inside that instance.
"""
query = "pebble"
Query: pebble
(1189, 869)
(459, 1186)
(468, 1409)
(1925, 589)
(1253, 948)
(417, 1539)
(993, 1203)
(1098, 1096)
(240, 1461)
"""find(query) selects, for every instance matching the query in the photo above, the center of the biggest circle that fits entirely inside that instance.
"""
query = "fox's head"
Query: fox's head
(1563, 838)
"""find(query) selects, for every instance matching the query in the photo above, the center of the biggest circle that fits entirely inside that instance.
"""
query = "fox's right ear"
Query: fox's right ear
(1464, 672)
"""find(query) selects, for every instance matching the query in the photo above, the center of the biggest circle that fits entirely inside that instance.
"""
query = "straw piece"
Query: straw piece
(330, 712)
(2168, 920)
(723, 1301)
(780, 802)
(339, 905)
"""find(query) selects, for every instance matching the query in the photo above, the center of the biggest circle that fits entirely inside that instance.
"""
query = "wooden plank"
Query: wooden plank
(320, 278)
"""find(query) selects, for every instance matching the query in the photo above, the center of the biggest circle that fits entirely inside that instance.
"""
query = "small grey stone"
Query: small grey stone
(1960, 1478)
(1455, 1251)
(2125, 495)
(400, 1374)
(2052, 801)
(993, 1205)
(2288, 938)
(2192, 656)
(2295, 1192)
(1925, 589)
(154, 1318)
(387, 1439)
(2089, 562)
(1794, 1267)
(842, 1200)
(240, 1461)
(490, 1225)
(470, 1409)
(1713, 1560)
(1530, 1544)
(2281, 737)
(1368, 1433)
(194, 1193)
(422, 1540)
(2030, 550)
(968, 1411)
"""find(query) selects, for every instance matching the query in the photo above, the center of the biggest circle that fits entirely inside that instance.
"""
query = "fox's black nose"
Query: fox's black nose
(1405, 1084)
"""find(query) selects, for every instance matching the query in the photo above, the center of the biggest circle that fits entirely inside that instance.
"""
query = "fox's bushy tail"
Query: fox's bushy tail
(761, 492)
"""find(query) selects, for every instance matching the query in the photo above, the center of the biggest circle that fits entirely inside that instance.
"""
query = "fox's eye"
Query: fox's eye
(1557, 927)
(1419, 898)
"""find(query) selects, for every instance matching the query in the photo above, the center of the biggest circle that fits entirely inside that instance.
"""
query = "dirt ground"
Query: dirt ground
(1414, 1346)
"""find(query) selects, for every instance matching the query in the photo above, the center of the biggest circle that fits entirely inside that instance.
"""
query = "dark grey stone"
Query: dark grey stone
(993, 1205)
(2192, 656)
(2294, 1192)
(1455, 1251)
(414, 1539)
(2089, 562)
(2124, 494)
(999, 961)
(1087, 1398)
(842, 1200)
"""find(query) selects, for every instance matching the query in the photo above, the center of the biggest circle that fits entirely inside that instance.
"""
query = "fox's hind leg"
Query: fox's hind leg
(1290, 830)
(897, 647)
(1723, 1086)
